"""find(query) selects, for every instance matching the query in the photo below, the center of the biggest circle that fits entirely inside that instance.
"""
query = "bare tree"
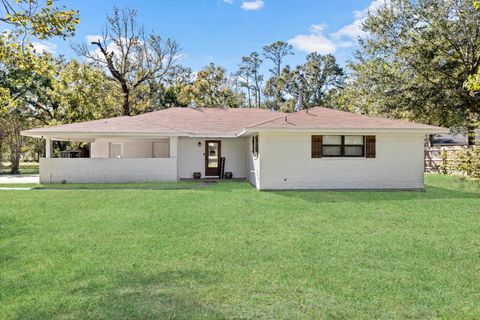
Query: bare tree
(132, 56)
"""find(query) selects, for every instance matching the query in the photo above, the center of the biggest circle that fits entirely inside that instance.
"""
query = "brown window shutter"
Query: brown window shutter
(370, 148)
(317, 146)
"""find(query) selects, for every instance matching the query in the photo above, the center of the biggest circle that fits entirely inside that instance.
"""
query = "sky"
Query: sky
(222, 31)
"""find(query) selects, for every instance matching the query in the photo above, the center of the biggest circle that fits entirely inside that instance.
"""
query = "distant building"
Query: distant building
(449, 139)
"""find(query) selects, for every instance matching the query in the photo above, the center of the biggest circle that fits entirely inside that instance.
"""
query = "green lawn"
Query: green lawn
(25, 168)
(228, 251)
(186, 184)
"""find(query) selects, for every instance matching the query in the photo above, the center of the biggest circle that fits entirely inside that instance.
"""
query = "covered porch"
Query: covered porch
(112, 159)
(129, 158)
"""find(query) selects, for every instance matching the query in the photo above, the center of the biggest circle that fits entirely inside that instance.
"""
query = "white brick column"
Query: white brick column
(173, 147)
(174, 152)
(48, 147)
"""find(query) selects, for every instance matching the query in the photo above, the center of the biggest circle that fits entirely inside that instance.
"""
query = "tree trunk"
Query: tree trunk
(126, 100)
(470, 135)
(258, 92)
(15, 160)
(430, 140)
(15, 150)
(249, 94)
(1, 152)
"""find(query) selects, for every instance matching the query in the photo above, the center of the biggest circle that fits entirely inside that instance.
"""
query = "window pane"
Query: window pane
(354, 151)
(117, 150)
(212, 149)
(332, 151)
(212, 163)
(161, 149)
(357, 140)
(213, 155)
(332, 139)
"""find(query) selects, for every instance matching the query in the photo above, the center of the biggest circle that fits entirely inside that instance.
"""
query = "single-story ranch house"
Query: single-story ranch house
(317, 148)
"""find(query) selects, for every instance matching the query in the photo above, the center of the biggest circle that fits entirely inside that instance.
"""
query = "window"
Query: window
(340, 146)
(332, 146)
(161, 149)
(116, 150)
(255, 145)
(353, 146)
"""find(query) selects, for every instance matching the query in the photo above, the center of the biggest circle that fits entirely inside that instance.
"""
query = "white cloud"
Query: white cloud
(354, 30)
(111, 47)
(93, 37)
(253, 5)
(228, 1)
(116, 49)
(44, 46)
(318, 41)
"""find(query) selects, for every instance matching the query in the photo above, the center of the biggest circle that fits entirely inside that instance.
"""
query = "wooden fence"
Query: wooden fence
(437, 158)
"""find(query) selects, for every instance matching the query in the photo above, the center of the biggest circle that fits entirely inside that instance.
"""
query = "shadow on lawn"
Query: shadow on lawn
(9, 228)
(167, 294)
(430, 193)
(133, 295)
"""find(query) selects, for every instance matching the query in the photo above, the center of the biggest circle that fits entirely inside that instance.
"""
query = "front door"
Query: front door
(212, 158)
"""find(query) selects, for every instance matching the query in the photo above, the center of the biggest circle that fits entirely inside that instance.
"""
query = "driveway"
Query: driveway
(19, 178)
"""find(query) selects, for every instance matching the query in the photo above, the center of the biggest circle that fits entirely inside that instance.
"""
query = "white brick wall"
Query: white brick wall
(86, 170)
(286, 163)
(191, 157)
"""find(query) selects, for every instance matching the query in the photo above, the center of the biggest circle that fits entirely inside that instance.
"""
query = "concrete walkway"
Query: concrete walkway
(19, 178)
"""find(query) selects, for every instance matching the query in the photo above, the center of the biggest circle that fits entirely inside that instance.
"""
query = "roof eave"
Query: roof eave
(89, 134)
(212, 135)
(432, 130)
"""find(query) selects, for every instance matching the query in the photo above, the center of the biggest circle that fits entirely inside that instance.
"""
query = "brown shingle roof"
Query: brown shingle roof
(118, 124)
(324, 118)
(227, 122)
(209, 120)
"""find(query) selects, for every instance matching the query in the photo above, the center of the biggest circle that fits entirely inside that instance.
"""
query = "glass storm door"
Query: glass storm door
(212, 158)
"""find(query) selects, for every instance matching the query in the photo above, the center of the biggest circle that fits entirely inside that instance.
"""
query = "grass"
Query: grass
(187, 184)
(230, 252)
(25, 168)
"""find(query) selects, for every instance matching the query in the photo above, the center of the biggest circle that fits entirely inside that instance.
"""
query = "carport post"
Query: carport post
(48, 147)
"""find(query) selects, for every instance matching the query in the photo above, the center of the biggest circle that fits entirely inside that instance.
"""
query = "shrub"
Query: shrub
(466, 162)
